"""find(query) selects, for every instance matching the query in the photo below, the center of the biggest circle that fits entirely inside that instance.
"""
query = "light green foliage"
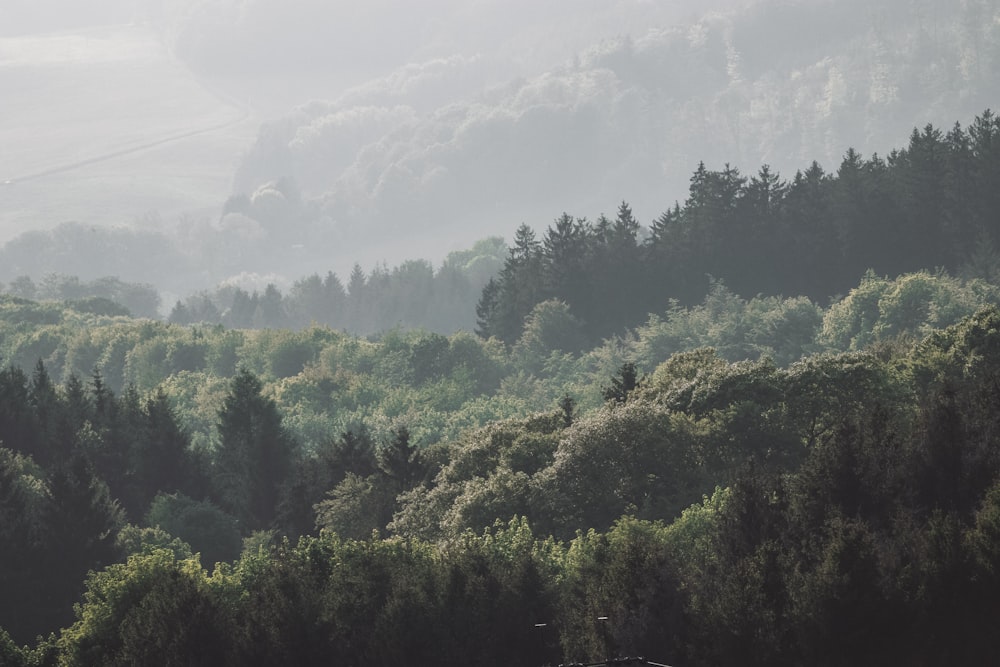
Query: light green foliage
(912, 305)
(27, 485)
(324, 381)
(163, 354)
(824, 392)
(277, 353)
(154, 609)
(480, 262)
(691, 535)
(11, 654)
(677, 375)
(356, 506)
(138, 540)
(782, 329)
(197, 398)
(966, 352)
(89, 347)
(639, 457)
(487, 476)
(549, 327)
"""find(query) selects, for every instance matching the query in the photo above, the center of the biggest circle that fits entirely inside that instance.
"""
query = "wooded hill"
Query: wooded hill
(766, 481)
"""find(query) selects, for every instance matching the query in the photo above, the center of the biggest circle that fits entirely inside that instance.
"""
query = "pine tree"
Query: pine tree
(486, 308)
(624, 383)
(255, 453)
(400, 461)
(80, 523)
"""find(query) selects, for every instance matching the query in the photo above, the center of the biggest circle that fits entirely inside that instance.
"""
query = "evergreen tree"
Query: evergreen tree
(400, 460)
(79, 526)
(255, 453)
(624, 383)
(486, 308)
(160, 458)
(520, 286)
(18, 427)
(19, 551)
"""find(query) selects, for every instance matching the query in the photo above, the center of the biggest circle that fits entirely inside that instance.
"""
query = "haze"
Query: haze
(190, 141)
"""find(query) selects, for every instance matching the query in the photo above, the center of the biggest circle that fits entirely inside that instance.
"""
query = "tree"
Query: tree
(400, 460)
(17, 423)
(19, 552)
(161, 458)
(315, 475)
(622, 384)
(486, 307)
(548, 328)
(520, 287)
(567, 267)
(208, 530)
(80, 523)
(154, 609)
(47, 406)
(255, 453)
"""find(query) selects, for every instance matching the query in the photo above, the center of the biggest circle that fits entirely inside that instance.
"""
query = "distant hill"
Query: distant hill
(425, 151)
(461, 134)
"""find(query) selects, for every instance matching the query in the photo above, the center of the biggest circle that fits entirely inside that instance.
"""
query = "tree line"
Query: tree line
(412, 295)
(931, 204)
(328, 382)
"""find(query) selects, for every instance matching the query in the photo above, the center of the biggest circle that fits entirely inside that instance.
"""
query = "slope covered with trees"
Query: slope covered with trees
(770, 480)
(846, 496)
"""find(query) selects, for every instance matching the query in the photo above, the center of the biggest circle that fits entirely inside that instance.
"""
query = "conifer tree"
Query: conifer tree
(255, 453)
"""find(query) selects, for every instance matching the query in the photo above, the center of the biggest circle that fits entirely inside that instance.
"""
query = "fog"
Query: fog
(185, 142)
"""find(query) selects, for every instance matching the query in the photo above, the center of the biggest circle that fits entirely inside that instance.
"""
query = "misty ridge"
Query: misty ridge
(461, 122)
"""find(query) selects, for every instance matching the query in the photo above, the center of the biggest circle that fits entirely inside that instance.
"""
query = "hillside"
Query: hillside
(102, 126)
(424, 152)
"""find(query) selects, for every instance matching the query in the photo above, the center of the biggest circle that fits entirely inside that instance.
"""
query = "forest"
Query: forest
(759, 431)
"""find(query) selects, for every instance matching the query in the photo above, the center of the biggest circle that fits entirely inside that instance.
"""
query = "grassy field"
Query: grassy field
(104, 127)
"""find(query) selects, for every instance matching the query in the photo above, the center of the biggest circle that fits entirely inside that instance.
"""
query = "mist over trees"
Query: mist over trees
(409, 296)
(758, 428)
(449, 142)
(630, 116)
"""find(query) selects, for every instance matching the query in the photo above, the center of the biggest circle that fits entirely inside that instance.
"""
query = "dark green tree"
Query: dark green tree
(624, 383)
(80, 523)
(161, 458)
(255, 453)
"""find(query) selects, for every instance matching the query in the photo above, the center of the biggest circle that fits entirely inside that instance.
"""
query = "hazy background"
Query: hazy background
(184, 142)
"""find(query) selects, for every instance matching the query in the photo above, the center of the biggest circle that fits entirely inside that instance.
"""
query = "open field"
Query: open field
(104, 127)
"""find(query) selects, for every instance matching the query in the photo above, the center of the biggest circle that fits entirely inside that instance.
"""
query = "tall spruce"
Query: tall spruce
(255, 453)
